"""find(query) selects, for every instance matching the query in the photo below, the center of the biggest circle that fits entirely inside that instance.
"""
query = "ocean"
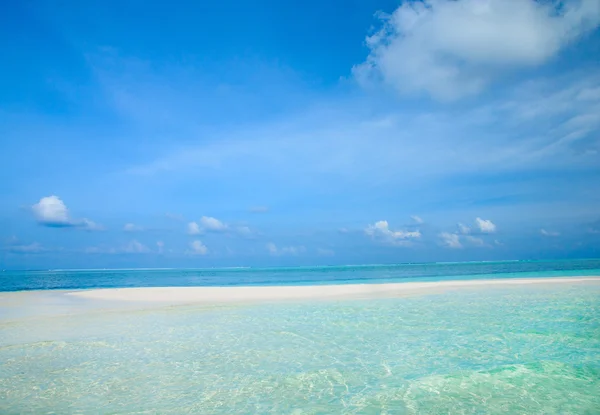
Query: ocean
(348, 274)
(532, 349)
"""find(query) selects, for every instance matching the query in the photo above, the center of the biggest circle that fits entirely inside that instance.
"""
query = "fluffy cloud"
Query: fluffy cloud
(130, 227)
(286, 250)
(51, 211)
(193, 229)
(549, 233)
(451, 49)
(450, 240)
(485, 226)
(207, 224)
(212, 224)
(380, 230)
(198, 248)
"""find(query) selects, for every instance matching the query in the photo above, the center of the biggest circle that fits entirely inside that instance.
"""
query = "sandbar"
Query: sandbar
(253, 294)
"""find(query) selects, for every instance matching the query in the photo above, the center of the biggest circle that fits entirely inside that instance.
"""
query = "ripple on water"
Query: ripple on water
(521, 350)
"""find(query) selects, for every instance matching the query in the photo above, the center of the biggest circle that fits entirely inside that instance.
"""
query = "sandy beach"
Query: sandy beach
(225, 295)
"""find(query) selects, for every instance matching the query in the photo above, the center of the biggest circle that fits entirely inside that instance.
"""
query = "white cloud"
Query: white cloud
(380, 230)
(130, 227)
(343, 230)
(212, 224)
(51, 211)
(325, 252)
(198, 248)
(286, 250)
(417, 219)
(549, 233)
(485, 226)
(207, 224)
(193, 229)
(450, 49)
(160, 245)
(464, 229)
(450, 240)
(136, 247)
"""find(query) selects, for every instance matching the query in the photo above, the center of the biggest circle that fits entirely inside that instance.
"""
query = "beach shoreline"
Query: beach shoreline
(259, 294)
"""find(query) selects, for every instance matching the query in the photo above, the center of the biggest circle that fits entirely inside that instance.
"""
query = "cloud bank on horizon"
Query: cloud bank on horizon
(430, 130)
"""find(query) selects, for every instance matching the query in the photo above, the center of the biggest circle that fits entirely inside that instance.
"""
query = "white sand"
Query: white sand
(226, 295)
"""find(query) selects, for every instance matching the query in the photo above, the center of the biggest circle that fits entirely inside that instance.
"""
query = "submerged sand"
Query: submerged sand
(225, 295)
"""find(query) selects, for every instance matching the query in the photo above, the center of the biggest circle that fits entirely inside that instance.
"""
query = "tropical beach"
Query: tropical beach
(248, 207)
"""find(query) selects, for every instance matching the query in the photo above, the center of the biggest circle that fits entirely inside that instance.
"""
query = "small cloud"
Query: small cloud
(464, 229)
(197, 248)
(130, 227)
(497, 242)
(193, 229)
(212, 224)
(343, 230)
(549, 233)
(135, 247)
(160, 246)
(380, 230)
(417, 219)
(325, 252)
(593, 231)
(52, 212)
(259, 209)
(286, 250)
(207, 224)
(485, 226)
(450, 240)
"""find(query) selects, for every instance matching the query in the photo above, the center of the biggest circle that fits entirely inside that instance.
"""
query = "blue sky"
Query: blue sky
(136, 134)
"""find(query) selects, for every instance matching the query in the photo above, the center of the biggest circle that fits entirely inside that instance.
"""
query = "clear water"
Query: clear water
(518, 350)
(61, 279)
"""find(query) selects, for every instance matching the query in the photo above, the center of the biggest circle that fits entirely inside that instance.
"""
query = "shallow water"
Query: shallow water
(533, 350)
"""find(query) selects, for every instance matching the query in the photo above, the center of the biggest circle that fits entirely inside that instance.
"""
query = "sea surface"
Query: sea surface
(532, 349)
(348, 274)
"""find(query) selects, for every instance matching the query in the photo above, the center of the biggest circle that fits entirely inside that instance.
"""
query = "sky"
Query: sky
(266, 133)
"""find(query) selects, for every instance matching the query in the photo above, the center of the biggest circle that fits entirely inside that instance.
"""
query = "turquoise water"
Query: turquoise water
(75, 279)
(517, 350)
